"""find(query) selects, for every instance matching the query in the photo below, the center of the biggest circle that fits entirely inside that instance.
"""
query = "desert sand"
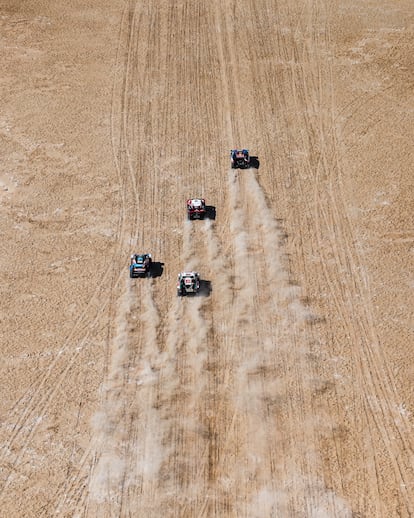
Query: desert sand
(288, 391)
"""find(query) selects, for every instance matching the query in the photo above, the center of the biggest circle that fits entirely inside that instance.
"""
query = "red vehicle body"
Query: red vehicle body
(196, 208)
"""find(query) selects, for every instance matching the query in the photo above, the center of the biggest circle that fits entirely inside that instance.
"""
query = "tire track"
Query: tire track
(295, 135)
(317, 142)
(94, 461)
(140, 367)
(30, 409)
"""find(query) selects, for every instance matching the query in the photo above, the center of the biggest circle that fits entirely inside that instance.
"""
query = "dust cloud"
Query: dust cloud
(131, 384)
(107, 432)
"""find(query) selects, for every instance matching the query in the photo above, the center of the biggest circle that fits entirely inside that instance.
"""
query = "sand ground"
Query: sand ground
(288, 391)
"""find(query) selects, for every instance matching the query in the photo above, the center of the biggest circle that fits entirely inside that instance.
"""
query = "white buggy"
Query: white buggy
(188, 283)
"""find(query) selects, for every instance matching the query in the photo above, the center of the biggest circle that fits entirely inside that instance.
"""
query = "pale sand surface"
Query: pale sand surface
(288, 392)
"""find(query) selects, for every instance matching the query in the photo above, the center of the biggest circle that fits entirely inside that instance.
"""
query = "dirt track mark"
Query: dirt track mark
(97, 314)
(172, 367)
(94, 462)
(279, 324)
(30, 409)
(139, 372)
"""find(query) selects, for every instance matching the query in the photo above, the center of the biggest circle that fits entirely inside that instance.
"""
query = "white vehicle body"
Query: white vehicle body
(188, 283)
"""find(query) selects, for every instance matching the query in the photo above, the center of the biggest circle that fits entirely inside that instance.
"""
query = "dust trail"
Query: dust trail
(182, 382)
(148, 314)
(107, 425)
(146, 451)
(197, 329)
(279, 346)
(174, 335)
(219, 265)
(174, 323)
(268, 502)
(243, 267)
(193, 327)
(150, 360)
(175, 314)
(272, 238)
(125, 448)
(270, 232)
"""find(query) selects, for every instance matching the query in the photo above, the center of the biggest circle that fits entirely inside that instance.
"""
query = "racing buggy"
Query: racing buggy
(188, 283)
(140, 265)
(196, 208)
(240, 158)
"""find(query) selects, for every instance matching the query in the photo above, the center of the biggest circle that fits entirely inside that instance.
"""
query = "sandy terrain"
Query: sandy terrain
(288, 392)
